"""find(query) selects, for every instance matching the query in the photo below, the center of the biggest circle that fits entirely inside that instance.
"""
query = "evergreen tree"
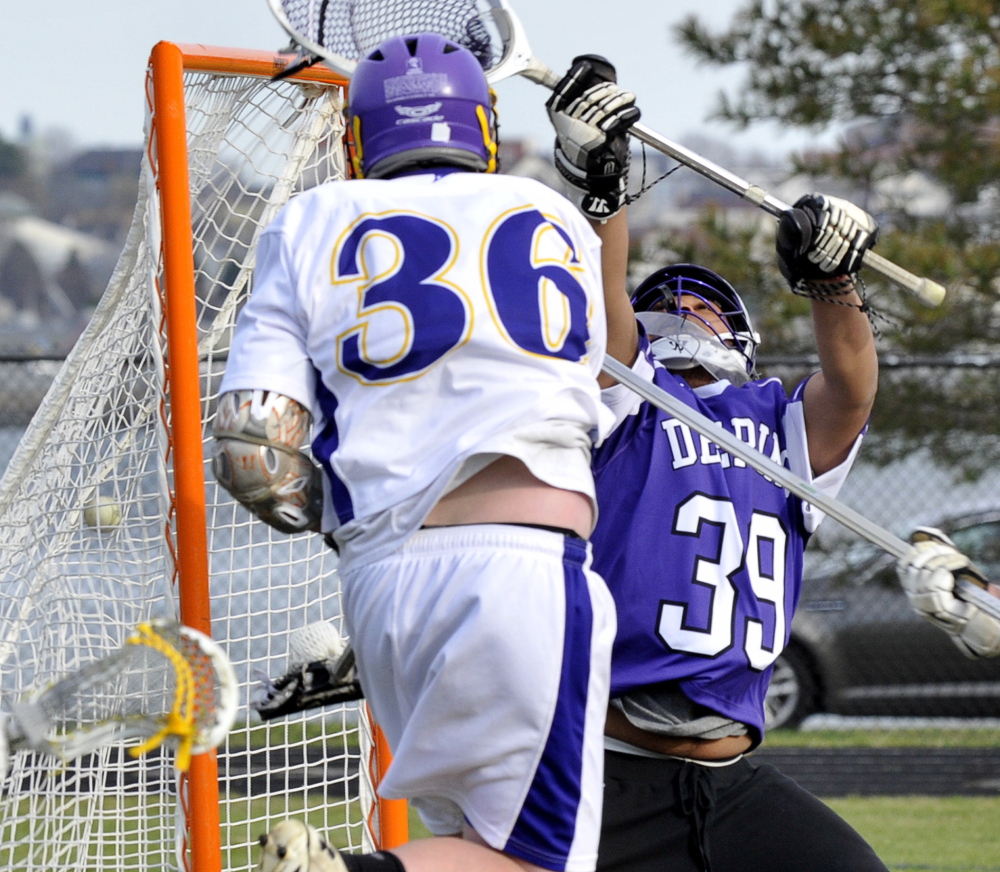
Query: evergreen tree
(12, 162)
(916, 86)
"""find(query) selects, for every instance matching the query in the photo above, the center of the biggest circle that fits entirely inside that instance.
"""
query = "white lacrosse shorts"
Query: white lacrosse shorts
(484, 652)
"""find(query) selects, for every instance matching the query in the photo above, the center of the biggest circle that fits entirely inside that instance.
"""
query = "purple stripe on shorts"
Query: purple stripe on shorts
(545, 828)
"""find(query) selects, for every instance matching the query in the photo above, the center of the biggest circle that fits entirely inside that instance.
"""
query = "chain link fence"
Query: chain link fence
(856, 649)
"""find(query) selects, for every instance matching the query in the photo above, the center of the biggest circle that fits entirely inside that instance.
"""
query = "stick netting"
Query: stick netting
(351, 28)
(72, 588)
(162, 685)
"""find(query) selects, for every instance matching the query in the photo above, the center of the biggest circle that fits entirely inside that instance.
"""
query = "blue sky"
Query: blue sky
(82, 69)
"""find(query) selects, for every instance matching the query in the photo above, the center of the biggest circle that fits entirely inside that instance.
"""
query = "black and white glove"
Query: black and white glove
(928, 573)
(321, 671)
(295, 846)
(592, 116)
(823, 238)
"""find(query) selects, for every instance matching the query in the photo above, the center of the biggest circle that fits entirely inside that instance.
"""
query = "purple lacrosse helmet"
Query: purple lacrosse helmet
(420, 101)
(734, 353)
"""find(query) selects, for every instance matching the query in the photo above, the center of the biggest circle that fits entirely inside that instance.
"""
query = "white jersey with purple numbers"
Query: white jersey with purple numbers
(430, 323)
(702, 554)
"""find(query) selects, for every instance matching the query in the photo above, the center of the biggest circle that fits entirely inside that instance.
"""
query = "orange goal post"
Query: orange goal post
(127, 420)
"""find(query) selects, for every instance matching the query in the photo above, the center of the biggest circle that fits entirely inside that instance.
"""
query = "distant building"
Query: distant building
(50, 279)
(95, 192)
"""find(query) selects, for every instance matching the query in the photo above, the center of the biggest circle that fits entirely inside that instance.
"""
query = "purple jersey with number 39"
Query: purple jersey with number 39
(702, 553)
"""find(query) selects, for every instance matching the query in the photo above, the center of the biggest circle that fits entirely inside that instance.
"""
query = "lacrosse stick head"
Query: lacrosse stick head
(342, 32)
(321, 671)
(421, 101)
(169, 684)
(659, 303)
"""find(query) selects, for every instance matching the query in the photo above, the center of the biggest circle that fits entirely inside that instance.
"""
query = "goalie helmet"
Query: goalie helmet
(421, 101)
(681, 338)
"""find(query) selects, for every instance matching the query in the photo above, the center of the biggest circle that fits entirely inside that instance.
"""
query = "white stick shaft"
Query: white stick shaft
(973, 593)
(835, 509)
(929, 292)
(764, 465)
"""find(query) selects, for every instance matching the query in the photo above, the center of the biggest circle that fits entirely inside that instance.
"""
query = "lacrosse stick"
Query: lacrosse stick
(168, 684)
(321, 671)
(971, 584)
(341, 32)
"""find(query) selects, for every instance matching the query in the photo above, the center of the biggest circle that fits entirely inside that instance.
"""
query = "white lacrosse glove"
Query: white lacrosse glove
(591, 116)
(928, 572)
(823, 238)
(294, 846)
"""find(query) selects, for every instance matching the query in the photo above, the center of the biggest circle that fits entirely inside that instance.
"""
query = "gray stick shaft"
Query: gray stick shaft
(927, 291)
(973, 593)
(835, 509)
(764, 465)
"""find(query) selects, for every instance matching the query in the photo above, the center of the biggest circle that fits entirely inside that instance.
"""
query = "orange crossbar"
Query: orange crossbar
(247, 62)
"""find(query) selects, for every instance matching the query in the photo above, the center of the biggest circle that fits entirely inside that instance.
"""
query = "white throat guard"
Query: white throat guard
(679, 344)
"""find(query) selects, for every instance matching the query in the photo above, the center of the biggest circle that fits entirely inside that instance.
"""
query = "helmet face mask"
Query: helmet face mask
(685, 338)
(421, 101)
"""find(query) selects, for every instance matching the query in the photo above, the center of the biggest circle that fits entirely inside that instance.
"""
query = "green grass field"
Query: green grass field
(929, 834)
(911, 833)
(931, 738)
(932, 834)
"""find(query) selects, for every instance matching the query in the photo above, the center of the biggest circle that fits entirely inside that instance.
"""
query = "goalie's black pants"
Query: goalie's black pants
(669, 815)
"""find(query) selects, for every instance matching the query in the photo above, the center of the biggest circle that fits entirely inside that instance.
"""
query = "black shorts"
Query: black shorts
(664, 815)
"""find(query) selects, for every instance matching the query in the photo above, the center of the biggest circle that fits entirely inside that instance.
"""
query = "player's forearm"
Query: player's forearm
(623, 337)
(846, 349)
(839, 398)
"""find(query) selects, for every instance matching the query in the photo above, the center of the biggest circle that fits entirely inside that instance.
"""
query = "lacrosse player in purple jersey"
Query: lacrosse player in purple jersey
(702, 554)
(437, 331)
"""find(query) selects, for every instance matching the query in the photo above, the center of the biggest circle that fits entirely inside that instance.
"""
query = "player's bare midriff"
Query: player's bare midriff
(505, 492)
(619, 727)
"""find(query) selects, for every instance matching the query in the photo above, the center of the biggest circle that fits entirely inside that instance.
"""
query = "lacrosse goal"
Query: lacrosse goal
(108, 516)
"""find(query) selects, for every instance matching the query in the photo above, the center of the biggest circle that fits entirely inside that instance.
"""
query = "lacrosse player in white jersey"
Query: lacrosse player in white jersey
(702, 553)
(437, 331)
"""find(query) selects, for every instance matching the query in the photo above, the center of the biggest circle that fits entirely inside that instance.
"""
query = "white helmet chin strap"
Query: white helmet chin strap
(681, 344)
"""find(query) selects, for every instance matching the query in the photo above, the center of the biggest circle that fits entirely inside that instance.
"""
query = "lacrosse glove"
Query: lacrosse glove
(295, 846)
(928, 572)
(823, 238)
(592, 117)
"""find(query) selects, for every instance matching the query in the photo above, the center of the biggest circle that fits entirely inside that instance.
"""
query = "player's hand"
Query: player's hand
(321, 671)
(295, 846)
(928, 572)
(592, 116)
(823, 238)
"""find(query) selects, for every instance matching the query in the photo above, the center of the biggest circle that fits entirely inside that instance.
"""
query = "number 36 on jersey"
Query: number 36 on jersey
(418, 299)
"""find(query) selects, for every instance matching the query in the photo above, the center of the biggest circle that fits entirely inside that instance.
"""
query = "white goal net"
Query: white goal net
(73, 583)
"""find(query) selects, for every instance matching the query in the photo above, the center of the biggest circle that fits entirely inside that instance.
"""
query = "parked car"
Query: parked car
(857, 648)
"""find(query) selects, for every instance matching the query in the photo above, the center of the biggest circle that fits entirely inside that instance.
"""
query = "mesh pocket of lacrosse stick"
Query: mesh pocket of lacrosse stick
(168, 684)
(341, 32)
